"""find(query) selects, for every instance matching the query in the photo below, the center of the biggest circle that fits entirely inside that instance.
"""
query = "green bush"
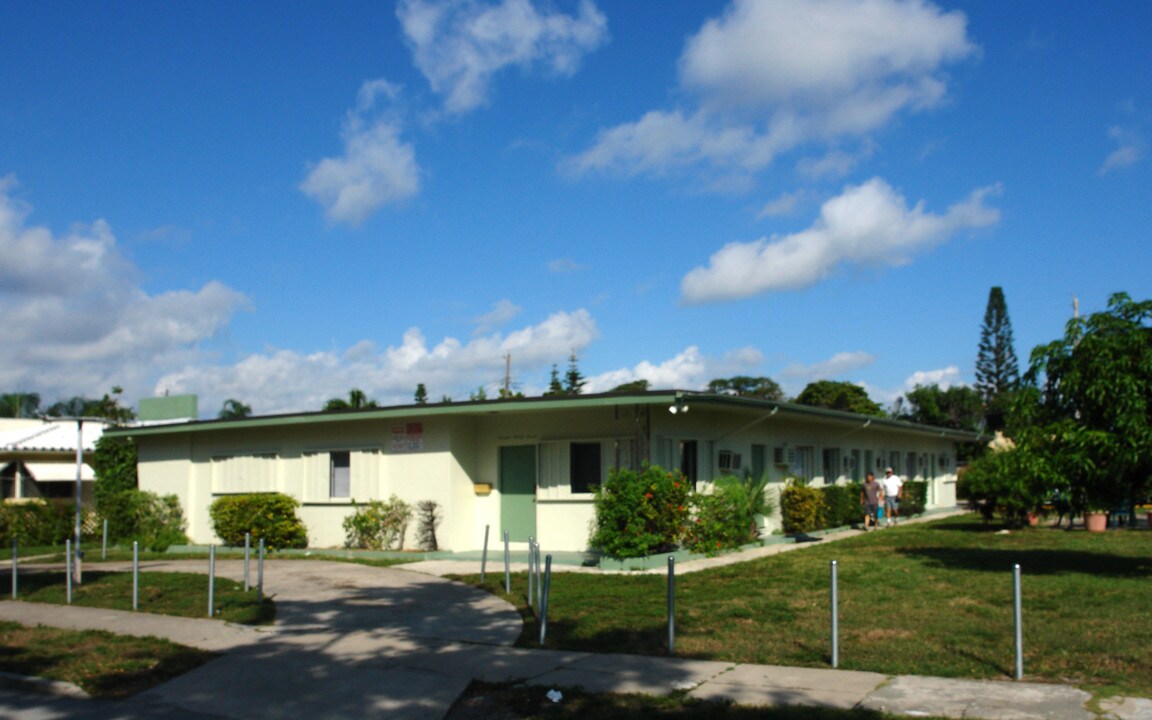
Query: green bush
(801, 506)
(841, 505)
(720, 521)
(640, 513)
(268, 516)
(378, 525)
(136, 515)
(36, 522)
(915, 498)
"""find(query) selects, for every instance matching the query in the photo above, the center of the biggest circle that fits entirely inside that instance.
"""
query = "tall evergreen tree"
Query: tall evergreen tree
(573, 380)
(421, 396)
(554, 385)
(997, 370)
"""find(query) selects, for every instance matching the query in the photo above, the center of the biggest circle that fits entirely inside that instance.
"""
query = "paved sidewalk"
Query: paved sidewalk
(353, 641)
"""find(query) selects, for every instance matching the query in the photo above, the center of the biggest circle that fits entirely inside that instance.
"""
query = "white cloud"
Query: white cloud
(767, 77)
(869, 224)
(460, 45)
(289, 381)
(687, 370)
(1130, 149)
(501, 314)
(76, 321)
(944, 377)
(834, 367)
(784, 204)
(565, 266)
(376, 168)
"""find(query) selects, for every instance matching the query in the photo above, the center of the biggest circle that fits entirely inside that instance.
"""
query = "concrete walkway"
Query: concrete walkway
(352, 641)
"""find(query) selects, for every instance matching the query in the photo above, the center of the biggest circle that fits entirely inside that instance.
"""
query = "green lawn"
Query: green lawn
(927, 599)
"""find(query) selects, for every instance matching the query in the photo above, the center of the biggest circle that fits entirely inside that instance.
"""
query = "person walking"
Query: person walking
(893, 493)
(871, 495)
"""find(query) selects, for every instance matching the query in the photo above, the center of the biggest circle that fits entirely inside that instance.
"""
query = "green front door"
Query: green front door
(518, 491)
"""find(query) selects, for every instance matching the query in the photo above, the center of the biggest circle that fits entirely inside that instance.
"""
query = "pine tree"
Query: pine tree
(554, 386)
(997, 370)
(421, 396)
(573, 381)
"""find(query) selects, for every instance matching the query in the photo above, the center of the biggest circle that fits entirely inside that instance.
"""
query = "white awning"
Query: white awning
(59, 472)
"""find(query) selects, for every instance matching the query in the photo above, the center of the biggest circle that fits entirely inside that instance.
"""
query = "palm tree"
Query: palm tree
(19, 405)
(233, 409)
(357, 400)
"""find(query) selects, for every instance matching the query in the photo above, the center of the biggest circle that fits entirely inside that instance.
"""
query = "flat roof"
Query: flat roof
(549, 402)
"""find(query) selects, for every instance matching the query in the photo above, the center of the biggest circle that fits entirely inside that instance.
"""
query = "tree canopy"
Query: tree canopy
(839, 395)
(634, 386)
(357, 400)
(233, 409)
(745, 386)
(959, 407)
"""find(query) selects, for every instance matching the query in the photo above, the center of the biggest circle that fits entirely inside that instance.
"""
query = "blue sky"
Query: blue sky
(277, 202)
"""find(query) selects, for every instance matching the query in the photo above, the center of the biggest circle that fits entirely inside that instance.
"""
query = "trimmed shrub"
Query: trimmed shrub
(841, 505)
(378, 525)
(720, 522)
(136, 515)
(915, 498)
(640, 513)
(271, 516)
(801, 506)
(36, 522)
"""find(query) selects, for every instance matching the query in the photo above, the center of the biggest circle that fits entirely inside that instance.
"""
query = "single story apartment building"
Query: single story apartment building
(524, 465)
(39, 458)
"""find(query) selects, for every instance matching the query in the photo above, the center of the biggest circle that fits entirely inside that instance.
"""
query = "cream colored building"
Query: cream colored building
(522, 465)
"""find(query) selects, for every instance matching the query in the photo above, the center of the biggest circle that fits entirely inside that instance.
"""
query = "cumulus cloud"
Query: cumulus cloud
(289, 381)
(501, 314)
(1130, 148)
(459, 45)
(377, 167)
(868, 224)
(767, 77)
(687, 370)
(77, 321)
(944, 377)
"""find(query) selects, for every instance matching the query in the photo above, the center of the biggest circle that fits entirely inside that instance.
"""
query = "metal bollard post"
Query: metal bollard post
(104, 544)
(507, 569)
(135, 575)
(544, 600)
(211, 580)
(539, 579)
(531, 544)
(68, 552)
(835, 618)
(1019, 622)
(671, 605)
(15, 566)
(260, 572)
(247, 557)
(484, 556)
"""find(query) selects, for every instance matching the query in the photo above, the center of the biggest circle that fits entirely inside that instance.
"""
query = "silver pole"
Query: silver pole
(1019, 622)
(68, 573)
(484, 556)
(544, 600)
(531, 589)
(671, 605)
(135, 575)
(260, 572)
(104, 544)
(539, 579)
(507, 570)
(247, 557)
(211, 579)
(835, 618)
(79, 465)
(15, 567)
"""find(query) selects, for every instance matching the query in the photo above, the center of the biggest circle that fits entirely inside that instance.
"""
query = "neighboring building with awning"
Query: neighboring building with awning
(38, 458)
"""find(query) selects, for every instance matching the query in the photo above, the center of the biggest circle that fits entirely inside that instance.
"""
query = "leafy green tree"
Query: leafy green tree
(233, 409)
(357, 400)
(1086, 406)
(573, 381)
(478, 394)
(839, 395)
(107, 407)
(634, 386)
(421, 396)
(114, 463)
(19, 405)
(745, 386)
(997, 370)
(959, 407)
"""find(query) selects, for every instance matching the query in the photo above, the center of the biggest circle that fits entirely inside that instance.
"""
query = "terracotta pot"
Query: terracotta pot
(1096, 521)
(1033, 519)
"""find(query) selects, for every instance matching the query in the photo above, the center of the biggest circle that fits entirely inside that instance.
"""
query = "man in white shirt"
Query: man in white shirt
(893, 492)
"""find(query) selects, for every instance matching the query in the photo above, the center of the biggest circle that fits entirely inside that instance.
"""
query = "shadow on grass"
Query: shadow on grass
(1035, 561)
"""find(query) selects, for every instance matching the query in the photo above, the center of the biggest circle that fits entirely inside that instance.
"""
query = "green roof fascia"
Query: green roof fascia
(491, 407)
(485, 407)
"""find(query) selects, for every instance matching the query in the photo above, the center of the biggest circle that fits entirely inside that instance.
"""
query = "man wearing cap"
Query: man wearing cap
(893, 492)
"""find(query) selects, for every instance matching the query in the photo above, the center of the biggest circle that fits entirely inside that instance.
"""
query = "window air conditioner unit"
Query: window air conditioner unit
(729, 460)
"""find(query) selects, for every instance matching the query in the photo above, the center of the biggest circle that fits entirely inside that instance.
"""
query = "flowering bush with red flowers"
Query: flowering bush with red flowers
(641, 513)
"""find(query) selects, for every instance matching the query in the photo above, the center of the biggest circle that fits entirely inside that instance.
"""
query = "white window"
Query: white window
(340, 474)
